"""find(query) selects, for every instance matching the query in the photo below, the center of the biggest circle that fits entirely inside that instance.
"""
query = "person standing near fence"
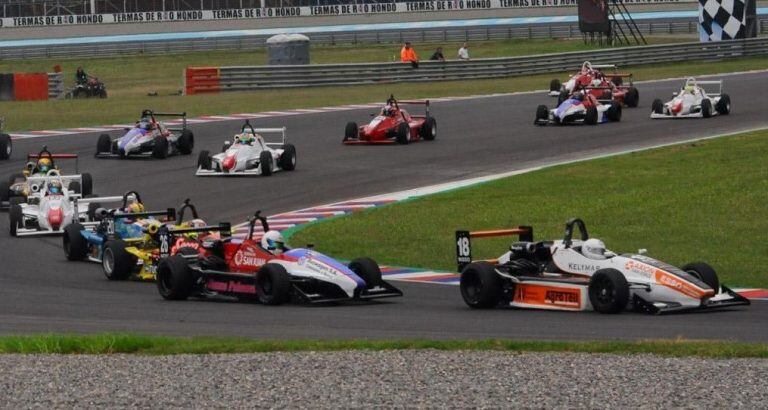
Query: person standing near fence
(408, 55)
(463, 53)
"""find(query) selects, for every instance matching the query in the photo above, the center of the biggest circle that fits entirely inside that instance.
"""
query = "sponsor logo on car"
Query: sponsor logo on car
(247, 257)
(640, 268)
(580, 267)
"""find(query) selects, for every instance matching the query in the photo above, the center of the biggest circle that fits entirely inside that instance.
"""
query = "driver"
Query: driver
(54, 188)
(44, 165)
(246, 138)
(134, 208)
(388, 111)
(145, 124)
(594, 249)
(274, 242)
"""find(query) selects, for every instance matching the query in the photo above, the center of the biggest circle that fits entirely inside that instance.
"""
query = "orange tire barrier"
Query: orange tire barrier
(198, 80)
(30, 86)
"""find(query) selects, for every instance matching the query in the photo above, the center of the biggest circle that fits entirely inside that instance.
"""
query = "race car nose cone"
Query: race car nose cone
(228, 163)
(677, 107)
(55, 217)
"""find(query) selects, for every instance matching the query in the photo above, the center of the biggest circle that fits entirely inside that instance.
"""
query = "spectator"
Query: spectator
(408, 55)
(438, 55)
(463, 53)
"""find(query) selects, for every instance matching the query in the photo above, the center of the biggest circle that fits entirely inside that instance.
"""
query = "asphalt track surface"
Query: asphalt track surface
(40, 291)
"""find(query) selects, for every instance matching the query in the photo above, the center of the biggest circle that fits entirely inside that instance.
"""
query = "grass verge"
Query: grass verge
(129, 79)
(109, 343)
(701, 201)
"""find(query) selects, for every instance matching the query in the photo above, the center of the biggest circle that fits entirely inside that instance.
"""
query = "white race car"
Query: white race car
(693, 101)
(249, 154)
(51, 206)
(149, 138)
(576, 275)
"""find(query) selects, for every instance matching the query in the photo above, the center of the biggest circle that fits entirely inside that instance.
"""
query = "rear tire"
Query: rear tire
(16, 218)
(403, 133)
(204, 160)
(265, 163)
(75, 245)
(160, 150)
(608, 291)
(591, 117)
(368, 270)
(706, 108)
(480, 285)
(116, 261)
(632, 98)
(723, 105)
(555, 85)
(186, 142)
(351, 132)
(174, 278)
(657, 107)
(91, 213)
(87, 187)
(705, 273)
(428, 131)
(273, 284)
(287, 160)
(104, 145)
(6, 146)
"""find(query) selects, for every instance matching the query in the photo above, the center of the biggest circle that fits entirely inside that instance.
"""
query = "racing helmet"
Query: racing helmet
(54, 188)
(689, 88)
(389, 111)
(194, 223)
(44, 165)
(593, 249)
(135, 207)
(144, 124)
(273, 241)
(247, 138)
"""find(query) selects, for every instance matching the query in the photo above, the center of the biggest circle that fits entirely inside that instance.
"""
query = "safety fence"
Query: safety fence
(215, 79)
(30, 86)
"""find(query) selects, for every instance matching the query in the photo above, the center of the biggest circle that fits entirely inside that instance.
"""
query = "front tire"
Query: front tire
(265, 163)
(591, 117)
(204, 160)
(608, 291)
(706, 108)
(75, 245)
(480, 285)
(704, 273)
(87, 188)
(614, 112)
(403, 133)
(351, 132)
(16, 218)
(116, 261)
(287, 160)
(368, 270)
(657, 107)
(6, 146)
(160, 150)
(174, 278)
(104, 144)
(273, 284)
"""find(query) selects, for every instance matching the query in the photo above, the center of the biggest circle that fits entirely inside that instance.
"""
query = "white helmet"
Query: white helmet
(593, 249)
(273, 241)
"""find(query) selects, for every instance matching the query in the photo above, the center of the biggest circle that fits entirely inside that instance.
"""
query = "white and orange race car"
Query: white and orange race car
(580, 274)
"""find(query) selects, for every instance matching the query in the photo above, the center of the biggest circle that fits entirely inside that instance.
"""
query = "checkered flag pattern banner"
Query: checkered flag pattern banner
(722, 19)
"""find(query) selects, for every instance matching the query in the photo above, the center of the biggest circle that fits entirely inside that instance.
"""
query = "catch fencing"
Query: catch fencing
(216, 79)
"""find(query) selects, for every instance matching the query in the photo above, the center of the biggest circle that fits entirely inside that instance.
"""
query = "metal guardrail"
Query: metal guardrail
(430, 35)
(259, 77)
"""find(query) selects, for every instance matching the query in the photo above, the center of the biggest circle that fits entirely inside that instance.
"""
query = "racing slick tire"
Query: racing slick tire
(632, 98)
(6, 146)
(86, 189)
(706, 108)
(562, 97)
(555, 85)
(657, 107)
(287, 160)
(591, 117)
(116, 262)
(186, 142)
(608, 291)
(403, 133)
(351, 132)
(428, 131)
(92, 208)
(273, 284)
(174, 278)
(723, 105)
(160, 149)
(368, 270)
(265, 163)
(75, 245)
(704, 273)
(542, 115)
(480, 285)
(15, 218)
(104, 144)
(5, 191)
(204, 160)
(614, 112)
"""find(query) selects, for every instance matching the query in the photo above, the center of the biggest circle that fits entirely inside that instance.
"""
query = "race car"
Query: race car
(606, 87)
(249, 154)
(580, 274)
(148, 138)
(50, 206)
(126, 240)
(393, 125)
(693, 101)
(6, 145)
(581, 108)
(267, 271)
(41, 165)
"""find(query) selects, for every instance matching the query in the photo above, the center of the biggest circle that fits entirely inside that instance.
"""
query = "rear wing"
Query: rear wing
(247, 127)
(167, 234)
(392, 100)
(708, 85)
(183, 116)
(464, 243)
(44, 153)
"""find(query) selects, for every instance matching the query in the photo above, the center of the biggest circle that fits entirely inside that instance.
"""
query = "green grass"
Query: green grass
(702, 201)
(129, 79)
(109, 343)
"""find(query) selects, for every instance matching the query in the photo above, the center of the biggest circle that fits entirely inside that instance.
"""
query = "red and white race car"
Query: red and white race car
(393, 125)
(606, 87)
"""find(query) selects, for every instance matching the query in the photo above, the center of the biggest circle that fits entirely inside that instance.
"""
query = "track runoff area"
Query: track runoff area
(55, 295)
